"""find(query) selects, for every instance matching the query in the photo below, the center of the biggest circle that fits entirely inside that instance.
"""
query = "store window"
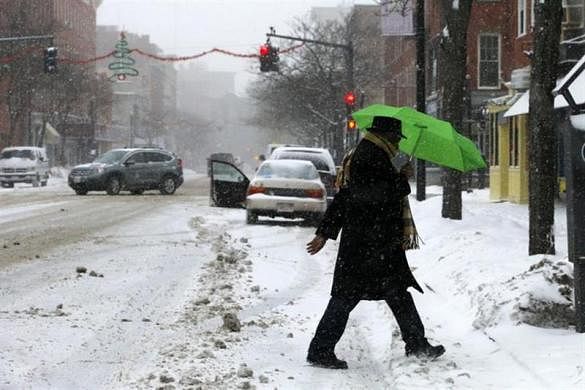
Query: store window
(494, 141)
(514, 137)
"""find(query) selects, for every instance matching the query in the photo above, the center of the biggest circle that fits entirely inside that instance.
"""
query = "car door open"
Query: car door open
(228, 185)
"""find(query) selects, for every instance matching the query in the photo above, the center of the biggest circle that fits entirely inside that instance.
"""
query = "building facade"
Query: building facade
(31, 110)
(142, 105)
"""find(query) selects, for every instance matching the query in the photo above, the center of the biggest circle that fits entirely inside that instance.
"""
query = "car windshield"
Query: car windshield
(17, 153)
(111, 157)
(317, 161)
(287, 170)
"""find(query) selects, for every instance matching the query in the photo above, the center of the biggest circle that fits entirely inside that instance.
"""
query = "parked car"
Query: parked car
(272, 147)
(24, 164)
(321, 159)
(135, 170)
(285, 188)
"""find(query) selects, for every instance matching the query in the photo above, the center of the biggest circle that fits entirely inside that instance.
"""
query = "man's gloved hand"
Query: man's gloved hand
(407, 170)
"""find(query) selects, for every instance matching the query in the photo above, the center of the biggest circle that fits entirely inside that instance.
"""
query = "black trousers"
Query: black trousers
(334, 320)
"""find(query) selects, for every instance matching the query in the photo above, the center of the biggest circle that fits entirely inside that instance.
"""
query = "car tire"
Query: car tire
(81, 191)
(43, 183)
(7, 184)
(168, 185)
(36, 181)
(251, 217)
(137, 192)
(113, 186)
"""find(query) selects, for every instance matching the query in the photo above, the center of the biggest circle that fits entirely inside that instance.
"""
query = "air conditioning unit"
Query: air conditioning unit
(520, 79)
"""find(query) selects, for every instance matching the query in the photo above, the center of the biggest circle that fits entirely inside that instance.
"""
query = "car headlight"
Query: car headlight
(97, 170)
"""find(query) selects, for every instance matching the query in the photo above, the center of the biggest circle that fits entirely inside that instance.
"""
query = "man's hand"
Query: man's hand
(316, 244)
(407, 170)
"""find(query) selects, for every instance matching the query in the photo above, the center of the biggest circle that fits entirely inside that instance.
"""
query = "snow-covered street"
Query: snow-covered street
(167, 292)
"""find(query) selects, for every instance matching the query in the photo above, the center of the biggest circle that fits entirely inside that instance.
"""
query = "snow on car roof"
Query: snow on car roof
(285, 162)
(300, 149)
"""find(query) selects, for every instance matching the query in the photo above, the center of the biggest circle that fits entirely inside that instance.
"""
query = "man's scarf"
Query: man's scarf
(410, 236)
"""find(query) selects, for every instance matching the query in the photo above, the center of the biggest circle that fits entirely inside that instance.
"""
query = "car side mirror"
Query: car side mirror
(128, 163)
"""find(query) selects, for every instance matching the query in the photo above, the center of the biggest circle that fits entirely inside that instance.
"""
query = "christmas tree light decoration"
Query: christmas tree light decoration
(122, 67)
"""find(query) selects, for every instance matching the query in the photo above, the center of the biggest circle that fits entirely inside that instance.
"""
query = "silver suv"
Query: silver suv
(135, 170)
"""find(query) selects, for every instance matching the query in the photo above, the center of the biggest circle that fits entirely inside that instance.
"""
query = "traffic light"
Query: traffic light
(50, 60)
(349, 98)
(351, 125)
(269, 58)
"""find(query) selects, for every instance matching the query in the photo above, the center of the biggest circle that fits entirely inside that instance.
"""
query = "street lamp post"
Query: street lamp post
(571, 88)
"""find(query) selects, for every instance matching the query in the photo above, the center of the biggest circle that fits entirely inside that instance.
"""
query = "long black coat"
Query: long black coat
(371, 263)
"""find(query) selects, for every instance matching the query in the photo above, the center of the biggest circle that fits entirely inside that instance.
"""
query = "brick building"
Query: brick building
(24, 88)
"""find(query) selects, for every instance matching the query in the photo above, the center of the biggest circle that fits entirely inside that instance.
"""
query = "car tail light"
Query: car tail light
(318, 193)
(256, 190)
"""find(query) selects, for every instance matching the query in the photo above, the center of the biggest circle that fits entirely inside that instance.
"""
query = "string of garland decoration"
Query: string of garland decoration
(88, 61)
(18, 55)
(9, 59)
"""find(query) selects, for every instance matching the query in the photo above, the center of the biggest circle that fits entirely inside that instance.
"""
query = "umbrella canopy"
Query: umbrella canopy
(428, 138)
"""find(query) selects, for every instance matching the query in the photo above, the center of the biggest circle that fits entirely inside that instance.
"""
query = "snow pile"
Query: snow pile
(59, 172)
(211, 320)
(540, 296)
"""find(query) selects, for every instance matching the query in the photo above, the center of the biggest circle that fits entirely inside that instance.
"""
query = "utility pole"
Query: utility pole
(420, 91)
(349, 58)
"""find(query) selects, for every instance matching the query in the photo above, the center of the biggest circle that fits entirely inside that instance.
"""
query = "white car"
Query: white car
(284, 188)
(24, 164)
(321, 159)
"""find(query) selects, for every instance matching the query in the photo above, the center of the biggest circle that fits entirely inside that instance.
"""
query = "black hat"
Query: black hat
(386, 123)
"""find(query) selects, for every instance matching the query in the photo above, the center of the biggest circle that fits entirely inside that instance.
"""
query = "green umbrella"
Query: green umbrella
(428, 138)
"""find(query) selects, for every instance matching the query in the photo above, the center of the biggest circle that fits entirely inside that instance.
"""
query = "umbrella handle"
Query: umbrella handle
(417, 141)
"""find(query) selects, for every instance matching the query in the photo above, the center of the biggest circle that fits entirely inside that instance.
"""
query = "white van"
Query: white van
(24, 164)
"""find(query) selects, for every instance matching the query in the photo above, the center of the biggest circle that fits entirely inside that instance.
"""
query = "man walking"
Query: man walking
(371, 209)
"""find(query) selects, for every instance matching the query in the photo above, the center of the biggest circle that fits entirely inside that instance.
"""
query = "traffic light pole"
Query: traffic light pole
(338, 136)
(28, 38)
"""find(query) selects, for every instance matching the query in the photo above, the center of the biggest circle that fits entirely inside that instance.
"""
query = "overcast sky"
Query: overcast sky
(186, 27)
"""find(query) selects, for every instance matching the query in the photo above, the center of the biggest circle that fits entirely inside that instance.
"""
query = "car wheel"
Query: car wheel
(113, 186)
(81, 191)
(251, 217)
(168, 185)
(7, 184)
(137, 192)
(36, 181)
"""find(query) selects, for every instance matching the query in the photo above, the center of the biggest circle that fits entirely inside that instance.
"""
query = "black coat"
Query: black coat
(371, 263)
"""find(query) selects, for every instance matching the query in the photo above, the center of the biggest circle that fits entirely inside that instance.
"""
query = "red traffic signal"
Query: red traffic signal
(349, 98)
(264, 50)
(268, 58)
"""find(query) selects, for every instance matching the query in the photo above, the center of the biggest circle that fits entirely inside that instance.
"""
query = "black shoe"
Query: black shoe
(328, 360)
(425, 350)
